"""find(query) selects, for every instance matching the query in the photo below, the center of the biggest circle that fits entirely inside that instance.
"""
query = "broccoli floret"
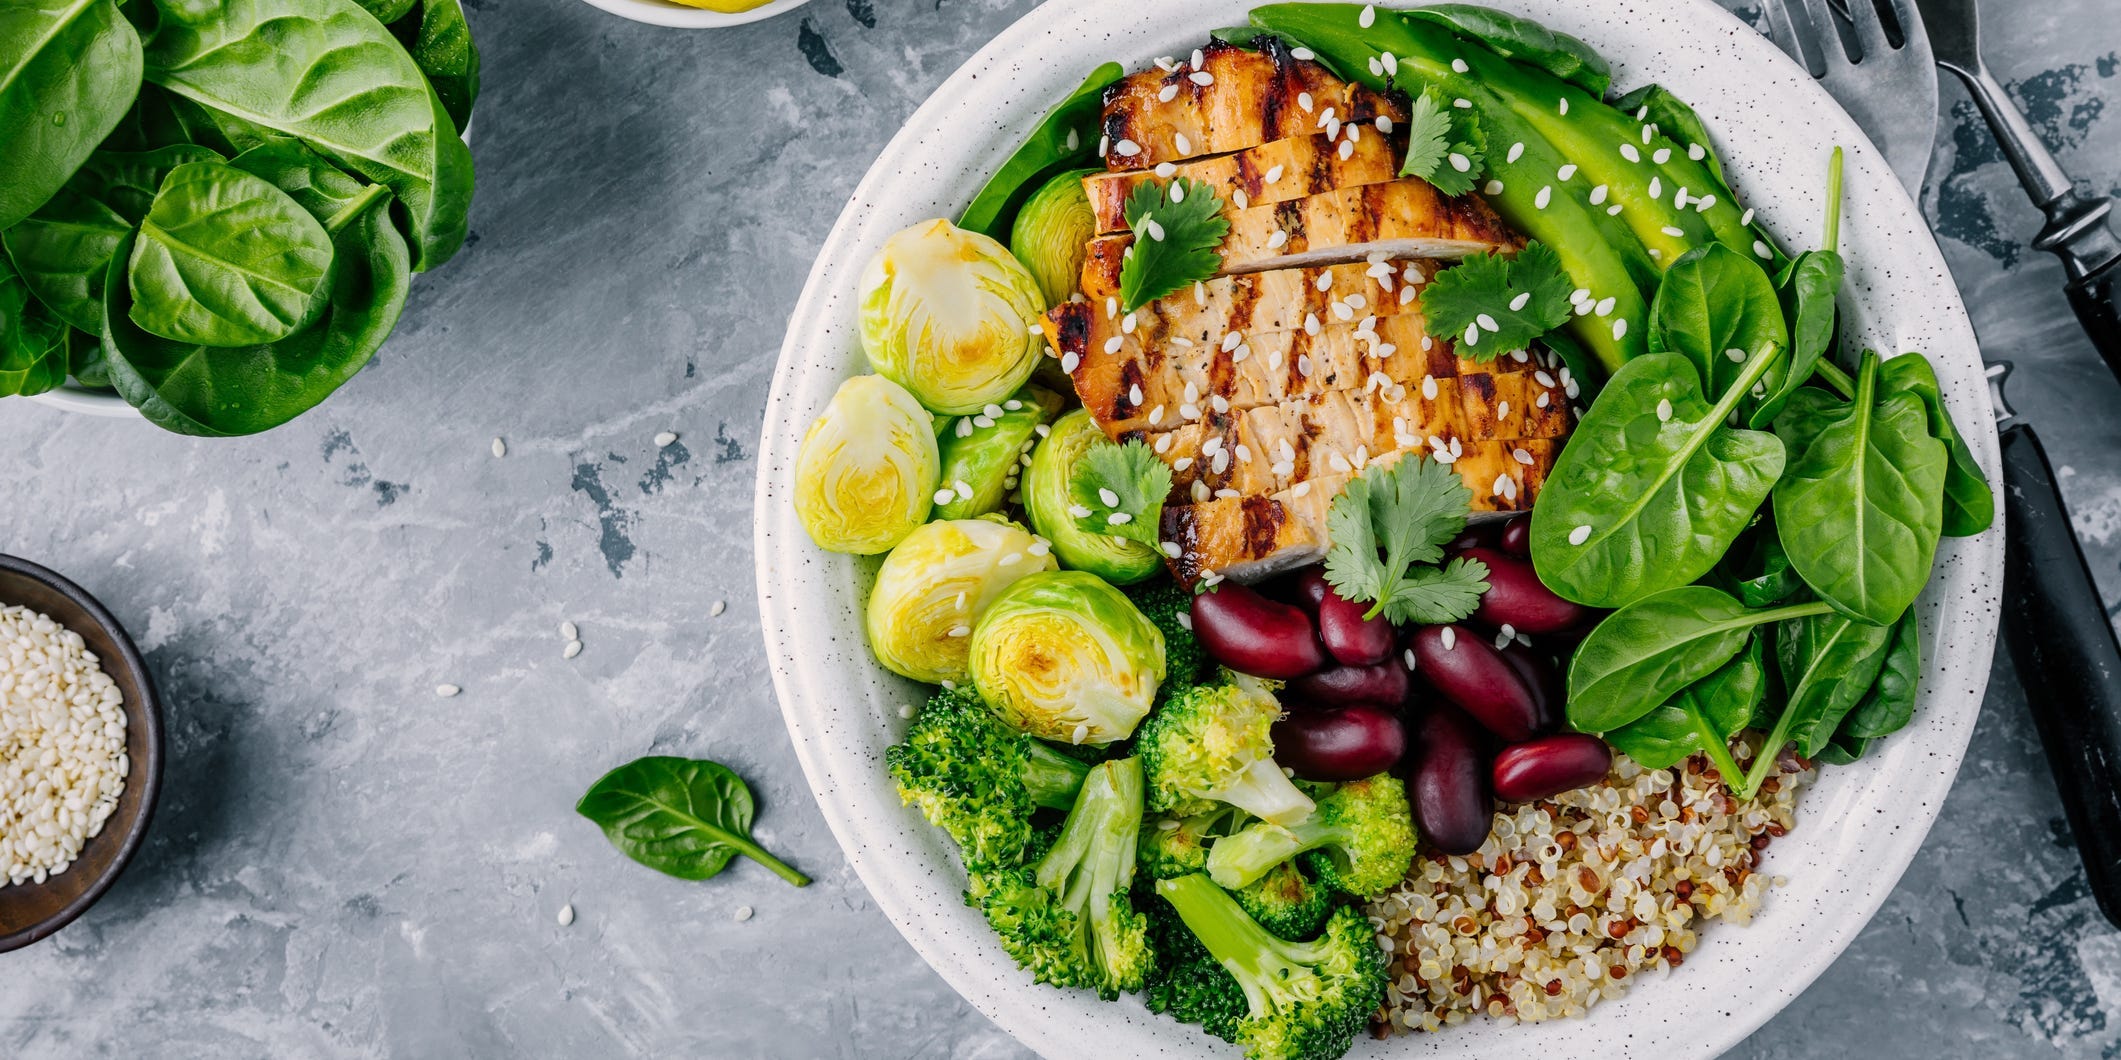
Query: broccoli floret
(1169, 606)
(1287, 902)
(1188, 983)
(1176, 846)
(1303, 1000)
(1362, 840)
(1070, 918)
(1211, 744)
(978, 779)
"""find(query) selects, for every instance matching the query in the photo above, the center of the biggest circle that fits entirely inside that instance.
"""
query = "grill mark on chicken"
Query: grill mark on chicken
(1263, 524)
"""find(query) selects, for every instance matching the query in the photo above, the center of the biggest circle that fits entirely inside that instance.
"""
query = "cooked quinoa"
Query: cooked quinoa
(62, 746)
(1572, 897)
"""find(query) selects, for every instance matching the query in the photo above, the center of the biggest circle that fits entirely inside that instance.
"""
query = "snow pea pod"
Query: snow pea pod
(1066, 139)
(1516, 37)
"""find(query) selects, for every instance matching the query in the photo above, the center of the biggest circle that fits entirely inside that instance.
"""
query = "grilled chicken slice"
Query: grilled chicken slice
(1246, 537)
(1271, 448)
(1231, 99)
(1405, 218)
(1252, 304)
(1260, 176)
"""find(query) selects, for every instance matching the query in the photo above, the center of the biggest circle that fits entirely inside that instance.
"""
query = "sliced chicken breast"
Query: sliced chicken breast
(1260, 176)
(1229, 100)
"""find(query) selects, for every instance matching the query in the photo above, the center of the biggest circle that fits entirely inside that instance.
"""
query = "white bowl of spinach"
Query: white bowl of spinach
(222, 209)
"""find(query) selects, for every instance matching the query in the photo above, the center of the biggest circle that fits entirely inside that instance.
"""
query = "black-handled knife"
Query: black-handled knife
(2078, 228)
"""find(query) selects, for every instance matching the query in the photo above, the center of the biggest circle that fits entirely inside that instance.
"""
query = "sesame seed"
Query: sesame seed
(1614, 211)
(1408, 655)
(1486, 322)
(1517, 304)
(1074, 140)
(1543, 378)
(982, 422)
(1673, 231)
(1182, 463)
(1450, 638)
(1172, 550)
(1704, 204)
(1473, 334)
(1664, 410)
(1746, 218)
(1522, 456)
(1198, 59)
(1201, 78)
(1542, 401)
(1628, 152)
(1647, 132)
(1113, 344)
(1516, 152)
(1239, 197)
(573, 648)
(1384, 124)
(446, 691)
(1736, 355)
(1368, 16)
(962, 488)
(1494, 187)
(1069, 362)
(1134, 394)
(1119, 518)
(1277, 239)
(500, 448)
(1304, 100)
(963, 428)
(1462, 103)
(1155, 230)
(1580, 535)
(1620, 328)
(1662, 155)
(1605, 306)
(1167, 94)
(1696, 152)
(1564, 107)
(1598, 195)
(1167, 170)
(1127, 148)
(719, 607)
(1679, 198)
(1347, 147)
(1761, 248)
(1565, 172)
(1311, 325)
(1377, 69)
(1304, 54)
(908, 711)
(1546, 195)
(1460, 162)
(743, 913)
(1104, 146)
(566, 916)
(1274, 174)
(1460, 66)
(568, 631)
(1407, 294)
(1656, 188)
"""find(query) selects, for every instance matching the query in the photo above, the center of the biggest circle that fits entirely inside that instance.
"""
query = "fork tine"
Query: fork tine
(1783, 31)
(1912, 32)
(1826, 36)
(1870, 29)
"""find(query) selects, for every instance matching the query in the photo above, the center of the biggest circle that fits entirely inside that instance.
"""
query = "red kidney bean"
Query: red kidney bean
(1516, 536)
(1550, 765)
(1463, 667)
(1475, 535)
(1542, 678)
(1251, 634)
(1516, 598)
(1349, 637)
(1343, 743)
(1302, 588)
(1447, 781)
(1385, 684)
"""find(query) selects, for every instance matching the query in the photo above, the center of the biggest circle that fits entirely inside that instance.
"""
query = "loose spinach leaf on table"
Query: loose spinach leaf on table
(679, 816)
(224, 258)
(1653, 486)
(1702, 718)
(1969, 504)
(1646, 653)
(327, 73)
(1715, 307)
(1067, 138)
(221, 391)
(1528, 42)
(68, 72)
(1861, 507)
(33, 342)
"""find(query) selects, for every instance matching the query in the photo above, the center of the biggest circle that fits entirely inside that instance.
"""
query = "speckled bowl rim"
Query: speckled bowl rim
(146, 776)
(678, 16)
(1858, 828)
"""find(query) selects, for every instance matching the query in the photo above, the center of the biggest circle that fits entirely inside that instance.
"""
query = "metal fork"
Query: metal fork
(1890, 90)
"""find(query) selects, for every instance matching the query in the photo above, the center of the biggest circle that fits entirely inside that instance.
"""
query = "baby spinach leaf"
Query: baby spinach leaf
(439, 40)
(127, 181)
(1528, 42)
(1843, 749)
(1807, 290)
(85, 360)
(388, 11)
(1761, 575)
(1653, 486)
(1969, 504)
(1890, 703)
(1702, 718)
(1860, 510)
(220, 391)
(1646, 653)
(68, 73)
(32, 340)
(327, 73)
(1828, 663)
(1716, 306)
(683, 817)
(224, 258)
(319, 187)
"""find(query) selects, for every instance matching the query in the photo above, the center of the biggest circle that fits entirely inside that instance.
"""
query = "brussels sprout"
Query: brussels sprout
(866, 474)
(948, 314)
(934, 586)
(1064, 656)
(1051, 233)
(981, 464)
(1115, 559)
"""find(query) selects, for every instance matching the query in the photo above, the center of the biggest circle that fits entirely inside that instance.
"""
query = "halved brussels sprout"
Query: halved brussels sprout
(948, 314)
(935, 584)
(866, 474)
(981, 463)
(1051, 233)
(1064, 656)
(1115, 559)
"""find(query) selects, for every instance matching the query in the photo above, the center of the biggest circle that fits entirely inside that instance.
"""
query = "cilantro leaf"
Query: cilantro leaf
(1435, 595)
(1494, 305)
(1409, 510)
(1441, 139)
(1119, 490)
(1178, 232)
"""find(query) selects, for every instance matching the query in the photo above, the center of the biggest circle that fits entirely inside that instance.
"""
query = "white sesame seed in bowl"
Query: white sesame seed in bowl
(1848, 837)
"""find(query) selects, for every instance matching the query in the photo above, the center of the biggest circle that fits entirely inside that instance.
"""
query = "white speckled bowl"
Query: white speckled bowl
(1859, 827)
(679, 16)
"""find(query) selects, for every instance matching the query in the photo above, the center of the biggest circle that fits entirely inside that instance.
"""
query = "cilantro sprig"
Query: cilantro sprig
(1119, 490)
(1445, 145)
(1389, 526)
(1178, 234)
(1493, 304)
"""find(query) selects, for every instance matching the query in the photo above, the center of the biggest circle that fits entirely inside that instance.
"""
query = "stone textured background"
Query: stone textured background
(346, 865)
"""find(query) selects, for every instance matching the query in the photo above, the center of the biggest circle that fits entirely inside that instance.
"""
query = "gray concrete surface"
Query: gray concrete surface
(347, 865)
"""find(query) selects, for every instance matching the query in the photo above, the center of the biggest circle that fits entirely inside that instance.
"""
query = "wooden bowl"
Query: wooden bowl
(32, 911)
